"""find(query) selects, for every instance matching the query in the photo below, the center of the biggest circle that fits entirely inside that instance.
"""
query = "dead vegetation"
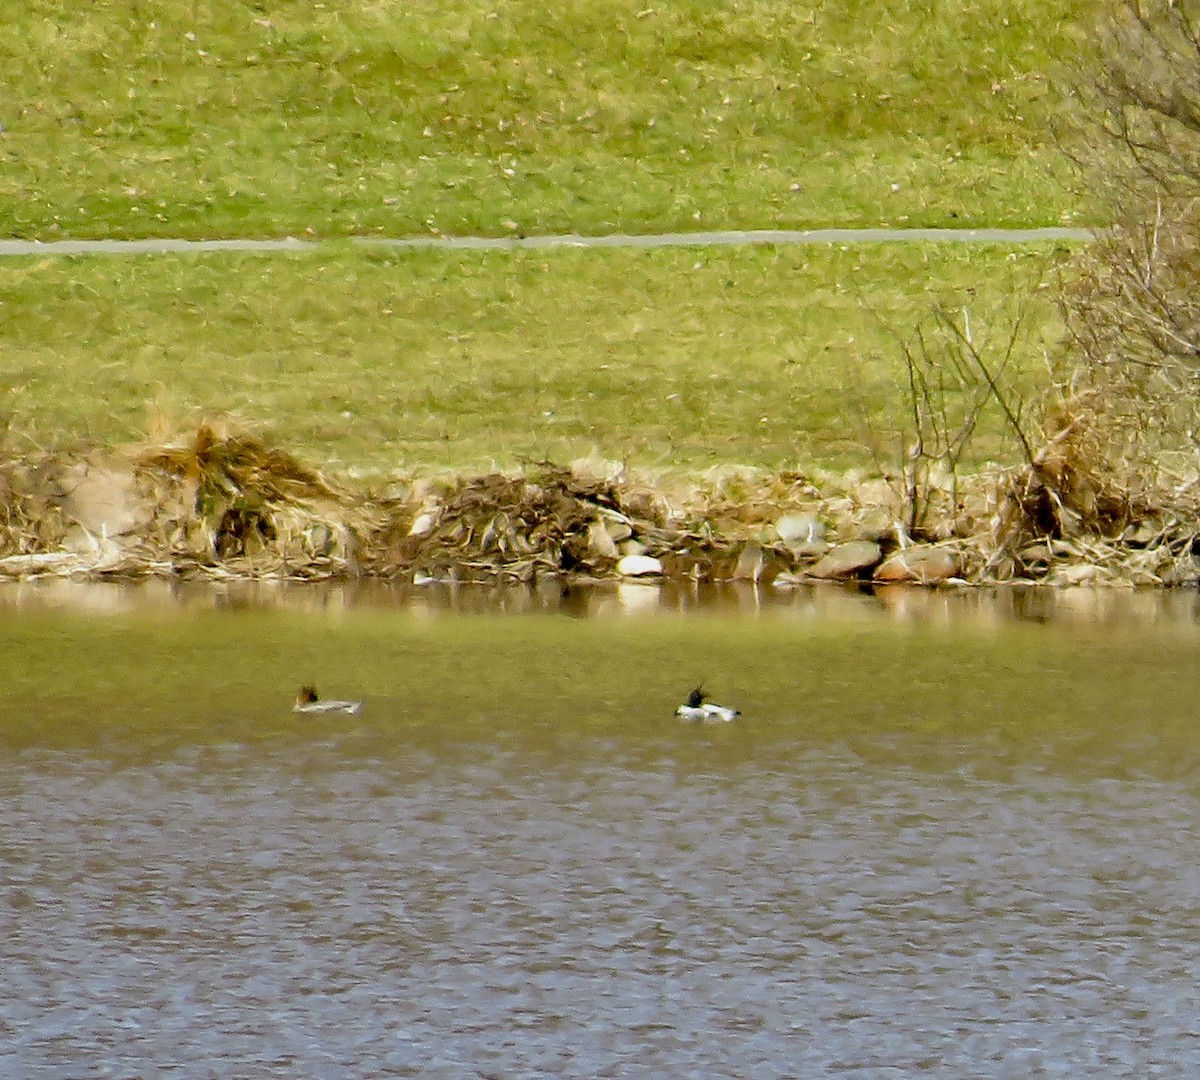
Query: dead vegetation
(228, 496)
(222, 504)
(1118, 476)
(1109, 488)
(30, 515)
(546, 520)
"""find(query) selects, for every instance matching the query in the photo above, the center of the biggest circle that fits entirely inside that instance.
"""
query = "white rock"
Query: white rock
(601, 542)
(423, 523)
(639, 566)
(1079, 574)
(104, 498)
(797, 529)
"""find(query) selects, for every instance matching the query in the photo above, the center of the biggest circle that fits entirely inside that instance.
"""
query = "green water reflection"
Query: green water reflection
(962, 684)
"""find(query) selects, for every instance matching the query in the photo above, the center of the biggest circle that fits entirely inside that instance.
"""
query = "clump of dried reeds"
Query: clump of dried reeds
(1085, 511)
(30, 515)
(226, 466)
(226, 495)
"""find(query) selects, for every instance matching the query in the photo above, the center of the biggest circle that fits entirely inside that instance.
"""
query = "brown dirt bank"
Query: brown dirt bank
(225, 504)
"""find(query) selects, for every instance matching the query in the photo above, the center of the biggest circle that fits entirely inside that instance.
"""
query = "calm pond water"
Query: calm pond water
(952, 835)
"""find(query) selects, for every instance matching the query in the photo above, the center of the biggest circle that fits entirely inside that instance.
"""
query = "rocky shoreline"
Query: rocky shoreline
(222, 506)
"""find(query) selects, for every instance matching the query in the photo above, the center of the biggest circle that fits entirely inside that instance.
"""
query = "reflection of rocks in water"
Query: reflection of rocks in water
(638, 597)
(812, 603)
(750, 563)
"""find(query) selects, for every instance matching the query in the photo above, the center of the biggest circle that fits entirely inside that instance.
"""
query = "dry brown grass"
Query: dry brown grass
(222, 495)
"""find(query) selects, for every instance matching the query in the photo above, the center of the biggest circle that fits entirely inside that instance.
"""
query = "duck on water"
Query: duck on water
(308, 702)
(699, 711)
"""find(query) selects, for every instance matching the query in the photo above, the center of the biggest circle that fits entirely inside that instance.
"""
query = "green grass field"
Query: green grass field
(191, 118)
(201, 119)
(669, 357)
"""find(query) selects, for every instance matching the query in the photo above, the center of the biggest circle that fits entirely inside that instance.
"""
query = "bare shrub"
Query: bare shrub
(1133, 306)
(956, 371)
(1141, 96)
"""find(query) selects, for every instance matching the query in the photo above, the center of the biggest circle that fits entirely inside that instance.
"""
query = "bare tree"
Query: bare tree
(1142, 88)
(1133, 308)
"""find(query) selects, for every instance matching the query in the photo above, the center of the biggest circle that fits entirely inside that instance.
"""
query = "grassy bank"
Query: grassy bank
(196, 119)
(202, 119)
(380, 361)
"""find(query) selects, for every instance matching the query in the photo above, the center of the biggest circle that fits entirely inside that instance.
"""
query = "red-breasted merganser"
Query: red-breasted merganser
(308, 702)
(698, 711)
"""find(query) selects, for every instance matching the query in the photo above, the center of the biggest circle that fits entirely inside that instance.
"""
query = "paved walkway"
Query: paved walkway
(697, 239)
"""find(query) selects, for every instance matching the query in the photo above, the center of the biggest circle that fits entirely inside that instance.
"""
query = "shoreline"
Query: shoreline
(224, 506)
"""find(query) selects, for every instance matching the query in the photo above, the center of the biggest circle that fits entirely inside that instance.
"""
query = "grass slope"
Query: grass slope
(769, 356)
(200, 118)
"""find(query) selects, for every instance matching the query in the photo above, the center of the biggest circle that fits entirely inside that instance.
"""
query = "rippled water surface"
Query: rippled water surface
(949, 836)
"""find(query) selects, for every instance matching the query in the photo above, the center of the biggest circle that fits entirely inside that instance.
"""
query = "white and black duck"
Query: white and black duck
(698, 710)
(308, 702)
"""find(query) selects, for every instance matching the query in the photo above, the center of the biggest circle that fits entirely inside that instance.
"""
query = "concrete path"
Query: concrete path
(504, 243)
